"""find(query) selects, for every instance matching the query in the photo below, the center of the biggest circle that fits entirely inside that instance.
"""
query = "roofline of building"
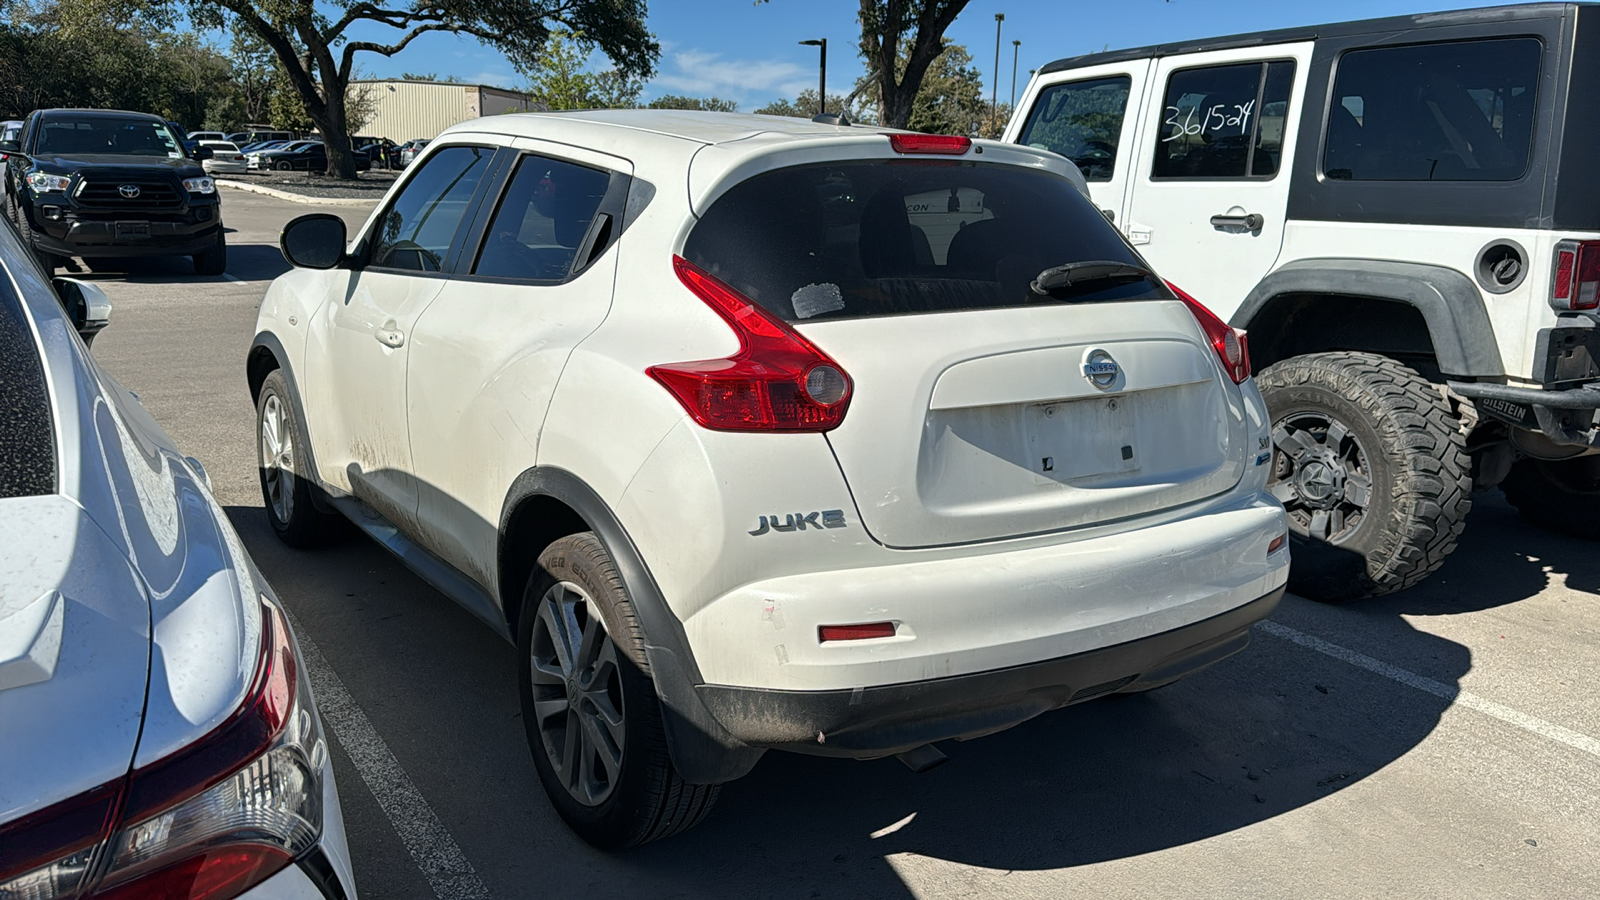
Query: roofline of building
(492, 87)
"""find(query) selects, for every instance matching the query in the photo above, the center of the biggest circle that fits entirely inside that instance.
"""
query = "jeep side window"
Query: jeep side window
(1081, 120)
(1224, 121)
(416, 231)
(1459, 111)
(543, 218)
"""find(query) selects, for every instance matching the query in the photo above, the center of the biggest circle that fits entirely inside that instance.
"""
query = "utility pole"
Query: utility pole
(995, 100)
(1016, 48)
(822, 76)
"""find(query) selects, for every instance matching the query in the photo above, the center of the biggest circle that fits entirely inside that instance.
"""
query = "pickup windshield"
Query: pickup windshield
(890, 237)
(108, 135)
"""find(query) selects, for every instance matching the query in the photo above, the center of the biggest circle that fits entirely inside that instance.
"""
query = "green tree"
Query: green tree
(317, 53)
(562, 79)
(805, 106)
(709, 104)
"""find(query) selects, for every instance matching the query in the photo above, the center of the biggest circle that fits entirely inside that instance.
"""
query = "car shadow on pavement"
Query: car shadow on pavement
(247, 262)
(1269, 731)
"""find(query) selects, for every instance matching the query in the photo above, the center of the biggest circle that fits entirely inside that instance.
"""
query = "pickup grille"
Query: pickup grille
(101, 192)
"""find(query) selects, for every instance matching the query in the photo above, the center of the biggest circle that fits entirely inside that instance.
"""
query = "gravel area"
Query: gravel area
(366, 186)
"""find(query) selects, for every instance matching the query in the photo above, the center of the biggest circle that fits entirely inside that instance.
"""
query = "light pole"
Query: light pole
(995, 100)
(822, 75)
(1016, 48)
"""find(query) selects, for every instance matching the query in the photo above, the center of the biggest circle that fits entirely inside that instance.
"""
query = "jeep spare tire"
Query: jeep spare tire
(1372, 468)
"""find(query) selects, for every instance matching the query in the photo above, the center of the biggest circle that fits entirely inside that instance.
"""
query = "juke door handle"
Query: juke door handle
(1247, 221)
(390, 334)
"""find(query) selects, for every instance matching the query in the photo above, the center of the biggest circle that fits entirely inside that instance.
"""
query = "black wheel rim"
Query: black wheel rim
(578, 704)
(1322, 474)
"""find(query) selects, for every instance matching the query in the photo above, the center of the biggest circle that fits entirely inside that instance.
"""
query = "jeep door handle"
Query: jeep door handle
(1248, 221)
(390, 334)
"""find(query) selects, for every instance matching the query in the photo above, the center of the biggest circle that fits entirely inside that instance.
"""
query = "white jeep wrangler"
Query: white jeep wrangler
(1401, 212)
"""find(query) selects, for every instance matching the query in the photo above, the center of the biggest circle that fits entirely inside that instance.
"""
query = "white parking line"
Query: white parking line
(1573, 739)
(425, 837)
(233, 278)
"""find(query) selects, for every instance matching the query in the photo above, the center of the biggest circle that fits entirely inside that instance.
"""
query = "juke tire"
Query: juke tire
(1421, 478)
(650, 801)
(1562, 496)
(307, 526)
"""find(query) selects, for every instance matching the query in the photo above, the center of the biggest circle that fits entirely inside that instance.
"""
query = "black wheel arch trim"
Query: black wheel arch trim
(1449, 301)
(269, 342)
(702, 749)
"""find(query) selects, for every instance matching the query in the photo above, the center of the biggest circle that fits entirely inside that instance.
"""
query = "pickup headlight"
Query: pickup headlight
(44, 181)
(200, 185)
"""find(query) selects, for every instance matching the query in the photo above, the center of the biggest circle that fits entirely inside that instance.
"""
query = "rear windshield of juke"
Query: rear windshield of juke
(875, 238)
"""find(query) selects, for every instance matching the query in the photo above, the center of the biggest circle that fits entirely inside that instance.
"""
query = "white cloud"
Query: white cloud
(700, 73)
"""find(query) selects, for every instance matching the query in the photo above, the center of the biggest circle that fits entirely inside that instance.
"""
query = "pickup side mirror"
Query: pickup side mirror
(314, 241)
(86, 304)
(204, 153)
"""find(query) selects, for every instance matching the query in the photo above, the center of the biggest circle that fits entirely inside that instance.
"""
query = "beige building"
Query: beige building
(421, 109)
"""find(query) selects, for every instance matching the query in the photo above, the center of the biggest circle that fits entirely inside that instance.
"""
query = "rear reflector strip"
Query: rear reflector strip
(826, 633)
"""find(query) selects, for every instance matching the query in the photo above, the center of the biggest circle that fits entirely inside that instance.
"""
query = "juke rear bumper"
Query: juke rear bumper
(868, 722)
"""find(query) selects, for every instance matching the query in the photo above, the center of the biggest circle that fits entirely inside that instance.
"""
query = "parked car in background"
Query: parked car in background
(9, 130)
(410, 149)
(108, 183)
(1401, 213)
(309, 156)
(742, 458)
(267, 157)
(203, 136)
(159, 735)
(225, 159)
(382, 154)
(188, 143)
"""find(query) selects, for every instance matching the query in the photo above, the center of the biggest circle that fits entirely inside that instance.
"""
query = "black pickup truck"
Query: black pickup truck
(109, 183)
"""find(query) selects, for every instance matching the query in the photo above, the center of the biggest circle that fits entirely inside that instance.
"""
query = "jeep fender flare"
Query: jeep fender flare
(702, 750)
(1449, 301)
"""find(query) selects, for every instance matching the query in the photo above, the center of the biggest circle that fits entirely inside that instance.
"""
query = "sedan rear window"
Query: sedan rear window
(893, 237)
(27, 435)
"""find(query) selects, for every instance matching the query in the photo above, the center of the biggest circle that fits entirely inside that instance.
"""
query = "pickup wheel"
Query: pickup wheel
(49, 262)
(285, 485)
(590, 707)
(1562, 496)
(1372, 468)
(213, 261)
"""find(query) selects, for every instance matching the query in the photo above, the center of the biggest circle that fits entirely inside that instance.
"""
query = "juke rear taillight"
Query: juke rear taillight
(777, 382)
(208, 822)
(1232, 344)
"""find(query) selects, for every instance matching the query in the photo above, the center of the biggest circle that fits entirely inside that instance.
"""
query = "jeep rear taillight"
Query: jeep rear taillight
(778, 381)
(1232, 344)
(1576, 284)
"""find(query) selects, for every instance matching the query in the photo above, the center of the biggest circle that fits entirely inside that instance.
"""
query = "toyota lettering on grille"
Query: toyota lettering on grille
(129, 191)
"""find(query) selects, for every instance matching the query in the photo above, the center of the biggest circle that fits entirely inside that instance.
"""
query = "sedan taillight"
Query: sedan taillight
(206, 823)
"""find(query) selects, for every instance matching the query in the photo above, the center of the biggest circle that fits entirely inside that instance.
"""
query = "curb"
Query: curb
(293, 197)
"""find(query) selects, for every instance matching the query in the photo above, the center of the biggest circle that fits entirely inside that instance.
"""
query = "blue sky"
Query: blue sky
(746, 52)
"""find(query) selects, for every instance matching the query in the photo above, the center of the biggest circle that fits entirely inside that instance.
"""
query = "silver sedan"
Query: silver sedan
(158, 726)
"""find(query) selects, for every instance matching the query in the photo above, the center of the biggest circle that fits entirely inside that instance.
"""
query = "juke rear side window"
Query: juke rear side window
(855, 239)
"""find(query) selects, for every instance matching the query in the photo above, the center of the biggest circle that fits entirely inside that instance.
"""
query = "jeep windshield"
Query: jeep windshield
(107, 136)
(873, 238)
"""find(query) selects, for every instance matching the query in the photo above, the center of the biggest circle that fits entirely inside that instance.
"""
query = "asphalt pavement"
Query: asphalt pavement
(1443, 742)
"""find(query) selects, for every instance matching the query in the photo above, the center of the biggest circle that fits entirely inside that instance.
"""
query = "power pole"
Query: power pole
(994, 101)
(822, 75)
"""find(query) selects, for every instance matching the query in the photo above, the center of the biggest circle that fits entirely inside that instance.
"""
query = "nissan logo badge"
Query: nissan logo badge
(1100, 368)
(129, 191)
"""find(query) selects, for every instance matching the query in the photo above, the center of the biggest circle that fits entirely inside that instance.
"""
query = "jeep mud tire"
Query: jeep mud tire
(1373, 469)
(1562, 496)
